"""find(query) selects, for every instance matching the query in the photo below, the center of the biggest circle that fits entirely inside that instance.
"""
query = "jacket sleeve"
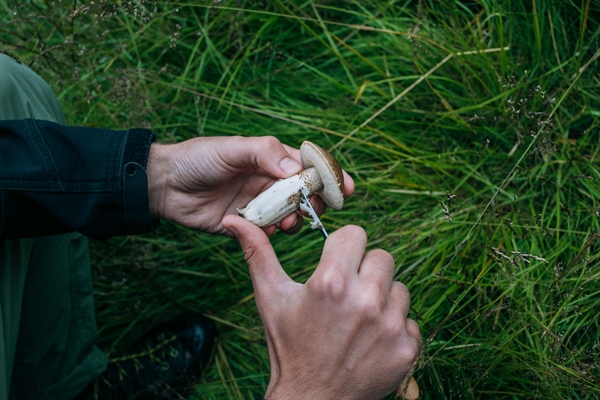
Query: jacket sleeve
(56, 179)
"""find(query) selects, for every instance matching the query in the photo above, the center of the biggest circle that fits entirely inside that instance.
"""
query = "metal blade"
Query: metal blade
(316, 222)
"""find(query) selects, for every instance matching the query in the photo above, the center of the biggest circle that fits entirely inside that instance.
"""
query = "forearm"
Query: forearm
(55, 179)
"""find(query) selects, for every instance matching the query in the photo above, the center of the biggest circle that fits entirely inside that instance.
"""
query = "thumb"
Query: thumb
(265, 269)
(272, 156)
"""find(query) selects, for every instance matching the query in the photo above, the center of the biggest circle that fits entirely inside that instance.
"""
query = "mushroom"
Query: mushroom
(322, 175)
(408, 390)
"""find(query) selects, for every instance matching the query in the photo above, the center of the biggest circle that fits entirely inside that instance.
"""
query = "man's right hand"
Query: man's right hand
(344, 334)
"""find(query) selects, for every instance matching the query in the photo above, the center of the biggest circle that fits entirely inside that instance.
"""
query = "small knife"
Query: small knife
(316, 222)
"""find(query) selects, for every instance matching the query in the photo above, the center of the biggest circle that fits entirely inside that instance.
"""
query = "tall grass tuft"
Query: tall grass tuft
(471, 129)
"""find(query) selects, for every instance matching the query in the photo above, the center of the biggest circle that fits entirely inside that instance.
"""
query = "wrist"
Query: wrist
(156, 170)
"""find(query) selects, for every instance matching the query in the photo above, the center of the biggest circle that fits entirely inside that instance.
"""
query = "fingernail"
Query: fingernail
(290, 166)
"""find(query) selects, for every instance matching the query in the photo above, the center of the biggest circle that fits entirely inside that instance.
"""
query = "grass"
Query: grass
(477, 172)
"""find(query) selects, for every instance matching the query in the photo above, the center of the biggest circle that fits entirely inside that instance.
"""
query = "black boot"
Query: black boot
(176, 352)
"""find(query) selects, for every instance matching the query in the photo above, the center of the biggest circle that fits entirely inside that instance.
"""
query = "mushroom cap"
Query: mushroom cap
(329, 170)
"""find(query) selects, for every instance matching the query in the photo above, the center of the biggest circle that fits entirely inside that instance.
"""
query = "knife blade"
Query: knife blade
(316, 222)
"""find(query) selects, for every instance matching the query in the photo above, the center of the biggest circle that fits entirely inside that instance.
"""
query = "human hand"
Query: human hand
(344, 334)
(197, 182)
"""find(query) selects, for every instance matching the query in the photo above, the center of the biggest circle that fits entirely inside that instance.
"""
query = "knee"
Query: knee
(24, 94)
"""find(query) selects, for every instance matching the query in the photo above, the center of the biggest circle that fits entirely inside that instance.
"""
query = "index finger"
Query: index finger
(343, 252)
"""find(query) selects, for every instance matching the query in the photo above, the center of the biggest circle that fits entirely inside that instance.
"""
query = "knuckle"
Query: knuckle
(329, 284)
(372, 302)
(411, 345)
(382, 257)
(408, 353)
(402, 290)
(414, 330)
(414, 348)
(392, 326)
(269, 142)
(409, 350)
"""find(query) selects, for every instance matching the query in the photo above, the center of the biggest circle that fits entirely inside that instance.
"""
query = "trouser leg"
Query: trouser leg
(47, 322)
(55, 356)
(14, 256)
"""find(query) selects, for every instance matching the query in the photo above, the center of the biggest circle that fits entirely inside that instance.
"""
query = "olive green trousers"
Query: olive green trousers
(47, 323)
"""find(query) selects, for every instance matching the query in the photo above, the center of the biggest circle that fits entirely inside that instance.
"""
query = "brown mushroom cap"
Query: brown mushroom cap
(329, 170)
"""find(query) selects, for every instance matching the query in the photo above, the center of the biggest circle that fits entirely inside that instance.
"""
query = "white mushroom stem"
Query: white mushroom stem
(282, 198)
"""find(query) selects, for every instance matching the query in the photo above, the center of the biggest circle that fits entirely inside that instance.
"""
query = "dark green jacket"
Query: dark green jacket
(56, 179)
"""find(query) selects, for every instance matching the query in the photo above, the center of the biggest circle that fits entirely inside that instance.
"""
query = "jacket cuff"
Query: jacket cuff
(136, 207)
